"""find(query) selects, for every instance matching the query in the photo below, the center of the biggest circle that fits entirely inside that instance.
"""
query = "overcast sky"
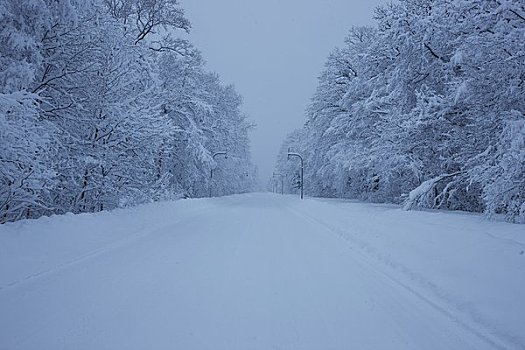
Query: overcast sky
(272, 51)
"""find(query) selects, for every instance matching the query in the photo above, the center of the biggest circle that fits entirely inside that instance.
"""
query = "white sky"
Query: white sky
(272, 51)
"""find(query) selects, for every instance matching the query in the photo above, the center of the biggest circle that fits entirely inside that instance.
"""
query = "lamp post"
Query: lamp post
(211, 170)
(282, 181)
(293, 154)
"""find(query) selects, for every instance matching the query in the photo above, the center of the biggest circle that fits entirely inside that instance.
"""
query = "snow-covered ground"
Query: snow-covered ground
(262, 271)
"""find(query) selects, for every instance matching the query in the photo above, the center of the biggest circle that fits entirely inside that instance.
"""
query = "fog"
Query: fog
(272, 51)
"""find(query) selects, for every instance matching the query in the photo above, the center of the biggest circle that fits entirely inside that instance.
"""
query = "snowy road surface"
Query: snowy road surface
(262, 271)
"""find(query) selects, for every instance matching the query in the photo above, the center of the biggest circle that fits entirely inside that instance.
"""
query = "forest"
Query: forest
(426, 109)
(104, 104)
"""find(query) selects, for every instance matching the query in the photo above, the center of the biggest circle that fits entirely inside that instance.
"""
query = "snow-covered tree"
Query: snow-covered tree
(426, 108)
(102, 105)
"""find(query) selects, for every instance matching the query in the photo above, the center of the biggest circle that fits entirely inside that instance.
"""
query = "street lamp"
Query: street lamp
(293, 154)
(211, 170)
(282, 181)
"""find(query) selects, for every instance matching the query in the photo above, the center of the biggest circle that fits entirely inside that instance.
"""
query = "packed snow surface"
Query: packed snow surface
(262, 271)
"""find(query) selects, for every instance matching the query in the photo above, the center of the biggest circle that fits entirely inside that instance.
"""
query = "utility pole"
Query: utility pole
(293, 154)
(211, 170)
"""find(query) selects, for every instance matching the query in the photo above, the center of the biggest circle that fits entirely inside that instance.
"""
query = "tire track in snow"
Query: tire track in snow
(481, 328)
(106, 249)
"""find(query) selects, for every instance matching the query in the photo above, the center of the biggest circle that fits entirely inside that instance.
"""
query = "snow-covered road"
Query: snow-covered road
(262, 271)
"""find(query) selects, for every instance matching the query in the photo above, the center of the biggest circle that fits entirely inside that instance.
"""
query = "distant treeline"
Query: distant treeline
(426, 109)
